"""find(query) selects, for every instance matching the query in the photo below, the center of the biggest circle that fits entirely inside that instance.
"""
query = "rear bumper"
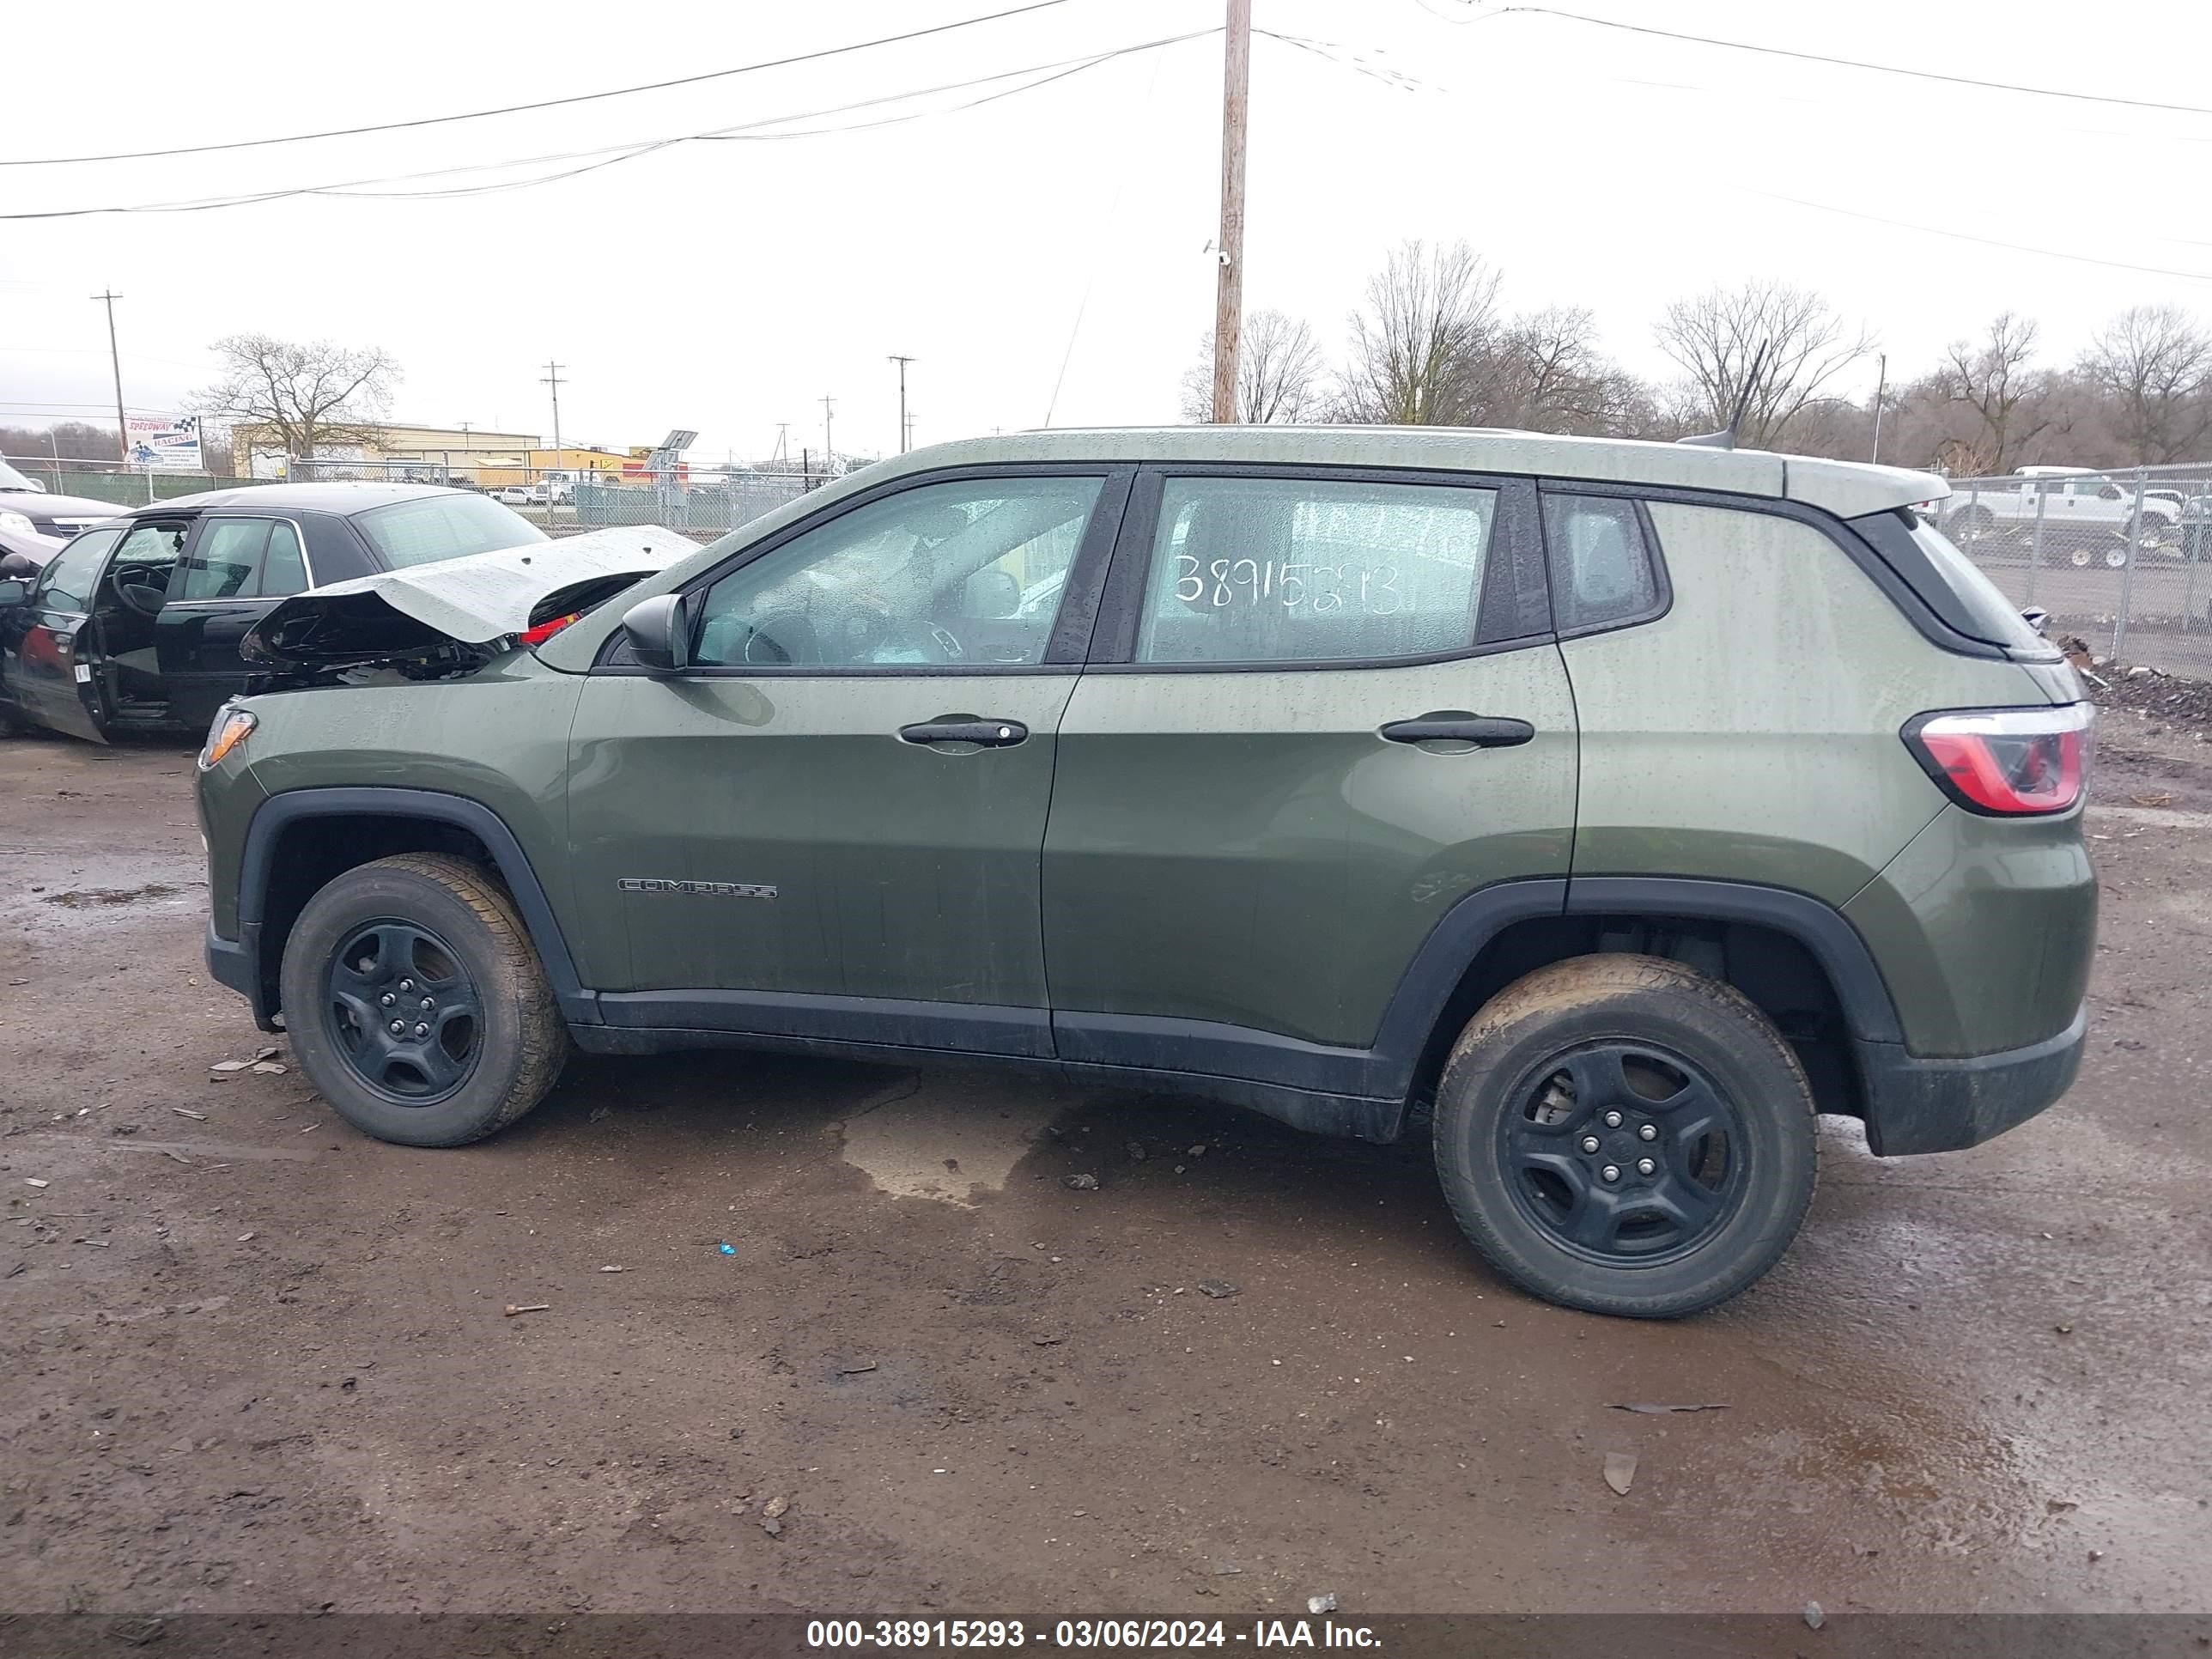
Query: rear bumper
(1916, 1105)
(237, 962)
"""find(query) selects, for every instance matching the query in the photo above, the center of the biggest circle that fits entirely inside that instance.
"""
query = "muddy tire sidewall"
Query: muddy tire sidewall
(521, 1043)
(1633, 998)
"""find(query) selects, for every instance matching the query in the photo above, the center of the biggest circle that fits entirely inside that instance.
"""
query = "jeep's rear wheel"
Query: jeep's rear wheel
(1623, 1134)
(415, 1004)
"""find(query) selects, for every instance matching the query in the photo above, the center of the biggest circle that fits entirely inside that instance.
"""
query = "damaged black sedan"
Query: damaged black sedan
(138, 624)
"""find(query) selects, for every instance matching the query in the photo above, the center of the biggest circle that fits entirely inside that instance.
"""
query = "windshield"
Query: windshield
(438, 527)
(11, 479)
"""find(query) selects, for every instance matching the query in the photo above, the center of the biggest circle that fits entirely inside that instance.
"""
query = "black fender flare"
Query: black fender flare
(1868, 1010)
(281, 812)
(1467, 929)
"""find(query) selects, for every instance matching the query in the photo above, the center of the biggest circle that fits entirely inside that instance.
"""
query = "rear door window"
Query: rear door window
(223, 561)
(1290, 570)
(283, 567)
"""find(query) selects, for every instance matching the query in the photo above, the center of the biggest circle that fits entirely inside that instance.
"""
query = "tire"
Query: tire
(2115, 557)
(1509, 1140)
(440, 938)
(2079, 557)
(1973, 523)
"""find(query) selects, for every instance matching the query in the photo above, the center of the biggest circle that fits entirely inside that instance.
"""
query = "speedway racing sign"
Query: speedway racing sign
(161, 443)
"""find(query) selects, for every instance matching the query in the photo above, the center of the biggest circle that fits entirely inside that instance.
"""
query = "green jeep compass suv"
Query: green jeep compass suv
(1613, 807)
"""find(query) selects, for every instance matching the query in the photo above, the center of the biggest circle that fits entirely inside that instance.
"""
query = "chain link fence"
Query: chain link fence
(701, 501)
(126, 487)
(2122, 560)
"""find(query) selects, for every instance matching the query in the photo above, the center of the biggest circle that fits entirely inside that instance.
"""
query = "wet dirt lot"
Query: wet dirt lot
(257, 1362)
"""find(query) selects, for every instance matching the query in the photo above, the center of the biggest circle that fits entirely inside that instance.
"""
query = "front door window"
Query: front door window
(965, 574)
(67, 582)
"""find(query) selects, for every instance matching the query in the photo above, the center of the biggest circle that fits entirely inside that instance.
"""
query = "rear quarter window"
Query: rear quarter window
(1605, 567)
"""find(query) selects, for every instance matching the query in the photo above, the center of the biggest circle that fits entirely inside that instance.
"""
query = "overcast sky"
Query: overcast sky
(728, 286)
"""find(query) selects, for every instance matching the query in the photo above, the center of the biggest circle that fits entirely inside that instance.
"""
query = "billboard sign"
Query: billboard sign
(162, 443)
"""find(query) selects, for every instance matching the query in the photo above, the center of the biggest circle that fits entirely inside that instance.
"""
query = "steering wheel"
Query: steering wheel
(916, 633)
(142, 595)
(780, 639)
(849, 633)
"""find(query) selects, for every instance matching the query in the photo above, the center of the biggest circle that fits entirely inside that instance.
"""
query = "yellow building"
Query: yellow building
(574, 463)
(390, 448)
(430, 454)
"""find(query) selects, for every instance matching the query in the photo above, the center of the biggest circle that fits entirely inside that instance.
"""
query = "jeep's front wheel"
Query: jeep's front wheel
(1622, 1134)
(415, 1004)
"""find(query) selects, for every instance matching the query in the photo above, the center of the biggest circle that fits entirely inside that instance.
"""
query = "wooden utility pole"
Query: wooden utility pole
(115, 362)
(829, 443)
(1229, 295)
(903, 430)
(551, 377)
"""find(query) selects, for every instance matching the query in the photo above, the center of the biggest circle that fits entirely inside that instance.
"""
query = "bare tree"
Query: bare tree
(1765, 349)
(72, 441)
(309, 397)
(1279, 373)
(1549, 375)
(1420, 342)
(2008, 400)
(2156, 365)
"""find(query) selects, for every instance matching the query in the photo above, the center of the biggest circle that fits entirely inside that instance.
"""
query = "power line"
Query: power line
(1106, 238)
(1846, 62)
(615, 154)
(1966, 236)
(71, 410)
(543, 103)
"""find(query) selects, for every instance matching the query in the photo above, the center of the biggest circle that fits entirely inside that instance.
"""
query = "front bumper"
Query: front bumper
(1916, 1105)
(237, 962)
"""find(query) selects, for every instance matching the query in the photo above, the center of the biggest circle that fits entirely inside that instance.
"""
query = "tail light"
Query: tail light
(2006, 762)
(545, 630)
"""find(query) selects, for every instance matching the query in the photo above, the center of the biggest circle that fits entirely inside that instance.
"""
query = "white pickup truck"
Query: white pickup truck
(2085, 515)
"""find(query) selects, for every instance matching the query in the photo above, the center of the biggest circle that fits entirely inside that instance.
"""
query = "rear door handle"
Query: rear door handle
(966, 728)
(1483, 731)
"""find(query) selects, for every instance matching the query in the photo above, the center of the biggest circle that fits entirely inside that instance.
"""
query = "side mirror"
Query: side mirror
(14, 592)
(659, 635)
(991, 593)
(2035, 617)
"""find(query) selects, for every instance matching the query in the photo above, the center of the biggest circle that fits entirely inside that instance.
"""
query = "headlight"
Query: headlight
(230, 729)
(17, 523)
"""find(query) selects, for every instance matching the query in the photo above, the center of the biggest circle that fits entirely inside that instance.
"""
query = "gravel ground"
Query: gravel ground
(258, 1363)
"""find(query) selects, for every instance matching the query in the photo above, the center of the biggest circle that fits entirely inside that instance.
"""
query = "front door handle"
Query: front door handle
(1483, 731)
(966, 728)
